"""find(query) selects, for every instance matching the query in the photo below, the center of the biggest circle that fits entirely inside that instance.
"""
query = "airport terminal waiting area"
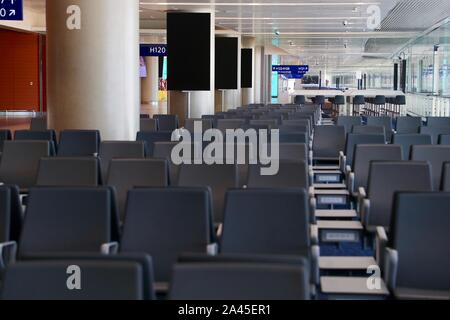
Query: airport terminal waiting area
(358, 210)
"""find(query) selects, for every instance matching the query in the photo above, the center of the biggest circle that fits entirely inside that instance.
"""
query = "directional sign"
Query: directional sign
(290, 69)
(11, 9)
(153, 50)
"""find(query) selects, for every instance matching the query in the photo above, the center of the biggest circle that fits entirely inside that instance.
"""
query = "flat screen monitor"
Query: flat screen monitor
(246, 68)
(226, 63)
(189, 51)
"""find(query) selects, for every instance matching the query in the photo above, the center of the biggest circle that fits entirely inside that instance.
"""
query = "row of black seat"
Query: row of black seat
(83, 224)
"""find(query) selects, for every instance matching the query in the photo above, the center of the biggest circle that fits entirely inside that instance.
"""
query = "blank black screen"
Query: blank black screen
(226, 63)
(246, 68)
(189, 51)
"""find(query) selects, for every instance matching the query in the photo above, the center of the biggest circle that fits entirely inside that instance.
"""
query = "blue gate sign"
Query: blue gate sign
(11, 10)
(153, 50)
(290, 69)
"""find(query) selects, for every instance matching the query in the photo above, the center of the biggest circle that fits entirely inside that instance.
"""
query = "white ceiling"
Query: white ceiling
(312, 30)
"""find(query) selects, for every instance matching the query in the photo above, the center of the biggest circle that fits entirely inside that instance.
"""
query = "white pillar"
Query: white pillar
(93, 72)
(150, 84)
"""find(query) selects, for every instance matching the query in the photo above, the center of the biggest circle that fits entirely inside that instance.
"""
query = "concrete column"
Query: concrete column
(93, 67)
(150, 84)
(248, 94)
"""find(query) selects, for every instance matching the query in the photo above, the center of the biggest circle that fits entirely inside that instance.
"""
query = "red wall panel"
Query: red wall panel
(19, 65)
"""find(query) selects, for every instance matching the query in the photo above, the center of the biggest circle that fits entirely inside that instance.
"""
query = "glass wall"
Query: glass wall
(428, 63)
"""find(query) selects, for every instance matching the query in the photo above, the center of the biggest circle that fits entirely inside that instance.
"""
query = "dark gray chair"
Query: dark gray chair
(385, 122)
(5, 135)
(406, 141)
(230, 124)
(291, 174)
(219, 178)
(79, 143)
(167, 222)
(365, 153)
(408, 125)
(293, 151)
(435, 132)
(10, 214)
(299, 122)
(47, 135)
(444, 139)
(438, 122)
(62, 221)
(206, 124)
(213, 118)
(293, 129)
(272, 124)
(378, 130)
(446, 177)
(149, 125)
(417, 259)
(151, 137)
(39, 124)
(385, 179)
(163, 150)
(328, 142)
(102, 278)
(267, 221)
(110, 150)
(348, 122)
(240, 281)
(436, 156)
(354, 139)
(126, 174)
(167, 122)
(294, 137)
(20, 161)
(69, 172)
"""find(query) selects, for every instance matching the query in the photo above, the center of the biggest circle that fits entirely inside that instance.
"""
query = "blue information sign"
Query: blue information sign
(11, 9)
(153, 50)
(290, 69)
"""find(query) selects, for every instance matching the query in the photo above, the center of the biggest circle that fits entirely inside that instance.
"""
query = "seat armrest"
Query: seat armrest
(350, 180)
(390, 267)
(312, 209)
(381, 242)
(315, 271)
(212, 249)
(342, 161)
(314, 234)
(361, 197)
(8, 251)
(109, 248)
(311, 177)
(310, 158)
(364, 211)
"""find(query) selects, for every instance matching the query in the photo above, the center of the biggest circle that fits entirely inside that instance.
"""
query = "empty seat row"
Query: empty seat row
(162, 223)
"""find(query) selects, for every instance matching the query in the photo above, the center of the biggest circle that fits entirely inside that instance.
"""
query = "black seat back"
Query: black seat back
(126, 174)
(166, 222)
(436, 156)
(61, 221)
(406, 141)
(419, 234)
(388, 177)
(20, 161)
(79, 143)
(69, 172)
(240, 281)
(266, 221)
(110, 150)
